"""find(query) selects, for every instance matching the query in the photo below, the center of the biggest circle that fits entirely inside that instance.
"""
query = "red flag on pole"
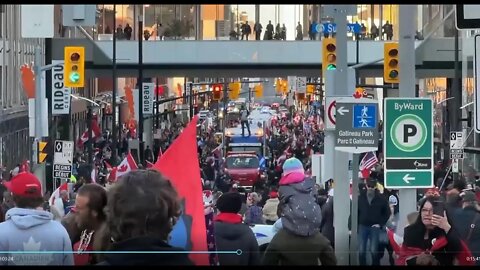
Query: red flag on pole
(189, 231)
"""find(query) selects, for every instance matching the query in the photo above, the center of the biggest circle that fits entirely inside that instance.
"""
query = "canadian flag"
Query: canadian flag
(56, 193)
(95, 133)
(128, 164)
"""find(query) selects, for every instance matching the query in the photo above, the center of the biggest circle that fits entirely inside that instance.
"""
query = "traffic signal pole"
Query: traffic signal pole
(40, 107)
(407, 197)
(342, 185)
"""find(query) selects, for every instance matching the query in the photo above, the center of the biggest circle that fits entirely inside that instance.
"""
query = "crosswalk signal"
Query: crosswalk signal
(329, 54)
(258, 90)
(217, 92)
(391, 68)
(234, 90)
(74, 71)
(42, 156)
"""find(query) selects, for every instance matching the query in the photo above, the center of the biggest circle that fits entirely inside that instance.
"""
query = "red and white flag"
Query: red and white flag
(95, 133)
(56, 193)
(368, 161)
(128, 164)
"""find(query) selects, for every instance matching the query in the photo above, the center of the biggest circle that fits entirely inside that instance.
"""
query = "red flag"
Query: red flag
(128, 164)
(187, 182)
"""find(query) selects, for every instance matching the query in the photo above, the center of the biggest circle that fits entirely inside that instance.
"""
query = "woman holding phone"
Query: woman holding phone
(431, 239)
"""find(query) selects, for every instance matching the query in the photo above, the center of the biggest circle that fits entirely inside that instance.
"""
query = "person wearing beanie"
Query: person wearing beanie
(28, 227)
(298, 226)
(301, 214)
(254, 213)
(270, 208)
(232, 234)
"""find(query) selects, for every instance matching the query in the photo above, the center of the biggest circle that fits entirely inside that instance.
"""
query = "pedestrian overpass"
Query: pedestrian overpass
(225, 58)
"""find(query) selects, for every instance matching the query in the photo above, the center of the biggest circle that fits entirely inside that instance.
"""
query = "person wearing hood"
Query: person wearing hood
(298, 227)
(232, 234)
(254, 214)
(373, 214)
(142, 208)
(28, 227)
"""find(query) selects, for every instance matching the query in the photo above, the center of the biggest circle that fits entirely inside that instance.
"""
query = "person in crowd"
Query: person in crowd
(388, 30)
(270, 208)
(297, 231)
(283, 32)
(90, 218)
(431, 239)
(269, 31)
(373, 214)
(299, 32)
(143, 224)
(258, 30)
(60, 206)
(244, 113)
(243, 30)
(146, 34)
(311, 34)
(28, 227)
(248, 30)
(326, 225)
(119, 32)
(374, 31)
(232, 234)
(128, 31)
(467, 223)
(68, 221)
(254, 214)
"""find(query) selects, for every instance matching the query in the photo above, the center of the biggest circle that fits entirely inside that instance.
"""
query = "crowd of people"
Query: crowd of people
(99, 215)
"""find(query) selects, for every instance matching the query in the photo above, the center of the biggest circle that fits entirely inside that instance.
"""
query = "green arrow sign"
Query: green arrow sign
(415, 179)
(74, 77)
(408, 142)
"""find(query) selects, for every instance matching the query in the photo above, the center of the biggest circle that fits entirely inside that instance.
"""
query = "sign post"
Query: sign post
(62, 162)
(456, 145)
(408, 143)
(356, 128)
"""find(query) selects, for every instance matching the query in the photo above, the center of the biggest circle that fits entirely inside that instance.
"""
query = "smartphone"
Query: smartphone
(438, 208)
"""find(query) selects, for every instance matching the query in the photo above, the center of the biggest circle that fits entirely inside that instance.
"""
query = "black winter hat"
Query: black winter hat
(230, 202)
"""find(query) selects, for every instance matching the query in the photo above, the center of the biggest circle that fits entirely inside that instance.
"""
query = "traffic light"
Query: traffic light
(234, 90)
(42, 156)
(310, 89)
(391, 68)
(258, 90)
(217, 92)
(74, 71)
(329, 54)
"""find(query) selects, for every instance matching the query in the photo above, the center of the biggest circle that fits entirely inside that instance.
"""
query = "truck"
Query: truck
(244, 169)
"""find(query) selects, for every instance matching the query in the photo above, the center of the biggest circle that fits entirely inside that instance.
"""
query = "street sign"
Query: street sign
(62, 160)
(60, 93)
(301, 84)
(408, 143)
(356, 129)
(147, 92)
(476, 68)
(330, 112)
(467, 16)
(456, 145)
(332, 28)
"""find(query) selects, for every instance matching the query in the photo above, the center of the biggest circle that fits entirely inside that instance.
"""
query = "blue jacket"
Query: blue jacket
(30, 230)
